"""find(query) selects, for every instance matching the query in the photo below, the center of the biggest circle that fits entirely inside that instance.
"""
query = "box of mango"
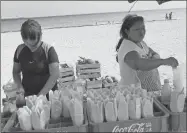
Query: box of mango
(88, 68)
(63, 112)
(109, 81)
(67, 76)
(174, 102)
(102, 82)
(124, 109)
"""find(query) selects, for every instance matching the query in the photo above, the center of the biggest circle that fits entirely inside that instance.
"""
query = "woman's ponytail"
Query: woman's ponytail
(118, 46)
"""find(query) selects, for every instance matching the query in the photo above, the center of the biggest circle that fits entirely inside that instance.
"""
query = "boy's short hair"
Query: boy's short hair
(31, 29)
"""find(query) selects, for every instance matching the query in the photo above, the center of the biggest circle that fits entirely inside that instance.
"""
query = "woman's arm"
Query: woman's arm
(134, 60)
(54, 75)
(153, 54)
(17, 74)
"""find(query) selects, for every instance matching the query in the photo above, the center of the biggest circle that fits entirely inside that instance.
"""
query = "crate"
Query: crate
(89, 70)
(89, 75)
(66, 79)
(158, 123)
(60, 125)
(87, 66)
(68, 69)
(108, 85)
(177, 121)
(66, 74)
(94, 84)
(4, 119)
(10, 122)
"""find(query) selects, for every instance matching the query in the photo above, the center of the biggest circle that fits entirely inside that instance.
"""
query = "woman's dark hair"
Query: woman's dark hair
(128, 22)
(31, 29)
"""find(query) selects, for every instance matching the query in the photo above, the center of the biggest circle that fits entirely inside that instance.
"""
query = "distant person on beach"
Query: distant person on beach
(166, 16)
(138, 63)
(170, 15)
(36, 60)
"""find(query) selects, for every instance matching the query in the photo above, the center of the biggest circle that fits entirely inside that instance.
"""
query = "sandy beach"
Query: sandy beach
(168, 38)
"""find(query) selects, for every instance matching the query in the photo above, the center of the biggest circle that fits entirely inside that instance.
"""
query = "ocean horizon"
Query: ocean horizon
(67, 21)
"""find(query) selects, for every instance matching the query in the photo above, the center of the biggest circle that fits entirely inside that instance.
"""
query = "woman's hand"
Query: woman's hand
(20, 100)
(171, 61)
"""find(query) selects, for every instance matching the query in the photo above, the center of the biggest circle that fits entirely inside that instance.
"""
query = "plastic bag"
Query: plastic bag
(178, 80)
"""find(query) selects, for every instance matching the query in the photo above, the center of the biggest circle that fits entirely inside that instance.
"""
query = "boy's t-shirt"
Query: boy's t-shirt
(35, 66)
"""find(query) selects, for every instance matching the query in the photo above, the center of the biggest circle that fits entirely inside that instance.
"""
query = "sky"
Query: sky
(17, 9)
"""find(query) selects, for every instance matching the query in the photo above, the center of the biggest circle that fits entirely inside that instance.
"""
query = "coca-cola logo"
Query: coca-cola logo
(136, 127)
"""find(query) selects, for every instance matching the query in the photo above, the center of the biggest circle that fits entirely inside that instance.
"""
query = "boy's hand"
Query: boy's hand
(21, 91)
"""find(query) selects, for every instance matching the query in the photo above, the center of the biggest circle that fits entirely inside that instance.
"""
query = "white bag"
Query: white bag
(178, 80)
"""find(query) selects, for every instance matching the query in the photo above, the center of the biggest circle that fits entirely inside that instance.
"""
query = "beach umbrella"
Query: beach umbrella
(162, 1)
(158, 1)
